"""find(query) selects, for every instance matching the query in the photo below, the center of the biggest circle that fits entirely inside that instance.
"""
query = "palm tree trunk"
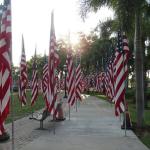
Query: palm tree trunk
(139, 70)
(145, 87)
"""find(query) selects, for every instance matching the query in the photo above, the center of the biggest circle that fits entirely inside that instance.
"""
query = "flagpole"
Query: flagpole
(37, 83)
(12, 115)
(76, 105)
(12, 109)
(125, 121)
(120, 118)
(54, 126)
(30, 103)
(75, 83)
(69, 49)
(69, 111)
(11, 90)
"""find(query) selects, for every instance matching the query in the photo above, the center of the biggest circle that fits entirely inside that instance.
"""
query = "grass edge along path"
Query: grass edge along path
(22, 111)
(144, 133)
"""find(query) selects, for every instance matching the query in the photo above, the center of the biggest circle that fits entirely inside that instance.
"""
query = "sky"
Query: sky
(32, 18)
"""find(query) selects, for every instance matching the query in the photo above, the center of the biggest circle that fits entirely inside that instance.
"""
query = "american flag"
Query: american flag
(34, 86)
(5, 64)
(119, 77)
(53, 63)
(45, 83)
(23, 80)
(102, 82)
(87, 82)
(126, 53)
(70, 79)
(78, 77)
(98, 82)
(109, 79)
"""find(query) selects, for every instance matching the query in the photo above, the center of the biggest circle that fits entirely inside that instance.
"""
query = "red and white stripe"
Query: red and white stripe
(120, 75)
(107, 91)
(78, 82)
(70, 80)
(97, 87)
(45, 84)
(83, 83)
(5, 65)
(52, 65)
(23, 80)
(126, 53)
(34, 93)
(119, 78)
(78, 75)
(109, 81)
(102, 82)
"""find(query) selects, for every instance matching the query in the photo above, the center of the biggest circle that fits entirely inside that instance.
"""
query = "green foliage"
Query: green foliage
(101, 96)
(62, 51)
(93, 49)
(146, 139)
(40, 63)
(130, 93)
(144, 133)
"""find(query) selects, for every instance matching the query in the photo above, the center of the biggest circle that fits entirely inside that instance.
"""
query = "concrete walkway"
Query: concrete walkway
(93, 127)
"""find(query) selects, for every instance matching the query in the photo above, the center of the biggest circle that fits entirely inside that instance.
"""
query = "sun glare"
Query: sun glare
(33, 21)
(74, 39)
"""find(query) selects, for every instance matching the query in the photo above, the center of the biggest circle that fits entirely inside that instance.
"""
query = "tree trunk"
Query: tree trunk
(139, 70)
(145, 81)
(144, 72)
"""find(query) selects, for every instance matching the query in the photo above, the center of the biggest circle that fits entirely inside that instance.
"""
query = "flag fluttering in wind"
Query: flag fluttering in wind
(97, 87)
(34, 85)
(78, 76)
(5, 64)
(120, 74)
(52, 66)
(23, 79)
(126, 54)
(71, 81)
(109, 78)
(45, 82)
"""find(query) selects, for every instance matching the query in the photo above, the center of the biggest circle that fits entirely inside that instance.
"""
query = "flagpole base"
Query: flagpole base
(4, 137)
(60, 111)
(60, 119)
(128, 125)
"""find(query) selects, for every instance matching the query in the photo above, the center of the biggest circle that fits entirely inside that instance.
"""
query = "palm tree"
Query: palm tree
(127, 12)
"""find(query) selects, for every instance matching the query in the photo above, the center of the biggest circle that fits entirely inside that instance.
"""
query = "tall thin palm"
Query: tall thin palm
(127, 12)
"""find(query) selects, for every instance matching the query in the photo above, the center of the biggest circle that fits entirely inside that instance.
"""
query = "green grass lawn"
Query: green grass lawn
(19, 111)
(144, 133)
(97, 94)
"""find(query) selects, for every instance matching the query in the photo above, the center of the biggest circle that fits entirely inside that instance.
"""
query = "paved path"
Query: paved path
(93, 127)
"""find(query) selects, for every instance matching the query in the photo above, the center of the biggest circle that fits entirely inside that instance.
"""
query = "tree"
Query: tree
(84, 45)
(106, 28)
(40, 63)
(127, 12)
(62, 51)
